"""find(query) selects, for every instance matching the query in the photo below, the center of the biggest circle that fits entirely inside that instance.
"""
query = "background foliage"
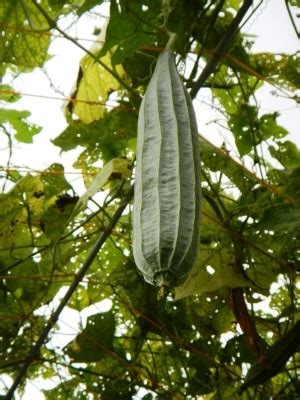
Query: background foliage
(211, 337)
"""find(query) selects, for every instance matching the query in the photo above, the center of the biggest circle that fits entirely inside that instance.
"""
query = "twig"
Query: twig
(222, 45)
(78, 278)
(292, 19)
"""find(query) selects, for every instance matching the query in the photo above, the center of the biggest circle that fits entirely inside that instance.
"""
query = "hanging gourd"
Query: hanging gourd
(166, 211)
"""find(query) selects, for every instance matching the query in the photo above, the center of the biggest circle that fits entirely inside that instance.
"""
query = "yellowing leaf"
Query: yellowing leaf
(94, 87)
(117, 167)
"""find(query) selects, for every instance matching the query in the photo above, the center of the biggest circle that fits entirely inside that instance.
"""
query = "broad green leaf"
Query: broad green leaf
(201, 281)
(47, 201)
(54, 181)
(80, 299)
(110, 137)
(263, 270)
(287, 154)
(24, 131)
(20, 45)
(126, 31)
(288, 182)
(291, 185)
(223, 319)
(269, 127)
(242, 124)
(139, 68)
(295, 3)
(96, 339)
(281, 68)
(216, 159)
(282, 219)
(30, 285)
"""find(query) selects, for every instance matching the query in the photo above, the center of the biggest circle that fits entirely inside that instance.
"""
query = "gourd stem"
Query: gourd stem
(172, 40)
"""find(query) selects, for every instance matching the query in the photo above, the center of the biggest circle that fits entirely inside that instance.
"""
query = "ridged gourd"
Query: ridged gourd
(166, 210)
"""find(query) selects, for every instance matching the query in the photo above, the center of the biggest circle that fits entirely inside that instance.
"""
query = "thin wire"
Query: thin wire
(227, 56)
(32, 31)
(70, 99)
(46, 172)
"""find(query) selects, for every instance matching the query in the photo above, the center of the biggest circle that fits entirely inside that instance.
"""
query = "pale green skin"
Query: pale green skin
(166, 211)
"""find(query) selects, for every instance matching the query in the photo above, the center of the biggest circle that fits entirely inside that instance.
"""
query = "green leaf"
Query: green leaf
(201, 281)
(295, 3)
(8, 94)
(242, 125)
(287, 154)
(281, 218)
(291, 184)
(249, 131)
(95, 341)
(105, 139)
(269, 127)
(51, 202)
(216, 159)
(19, 45)
(24, 131)
(54, 181)
(126, 29)
(139, 68)
(288, 183)
(29, 285)
(11, 214)
(223, 319)
(80, 299)
(281, 68)
(238, 349)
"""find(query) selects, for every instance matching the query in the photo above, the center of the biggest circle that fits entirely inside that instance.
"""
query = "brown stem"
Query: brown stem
(247, 324)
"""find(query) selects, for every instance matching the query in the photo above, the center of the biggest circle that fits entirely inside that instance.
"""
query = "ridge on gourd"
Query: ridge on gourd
(166, 210)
